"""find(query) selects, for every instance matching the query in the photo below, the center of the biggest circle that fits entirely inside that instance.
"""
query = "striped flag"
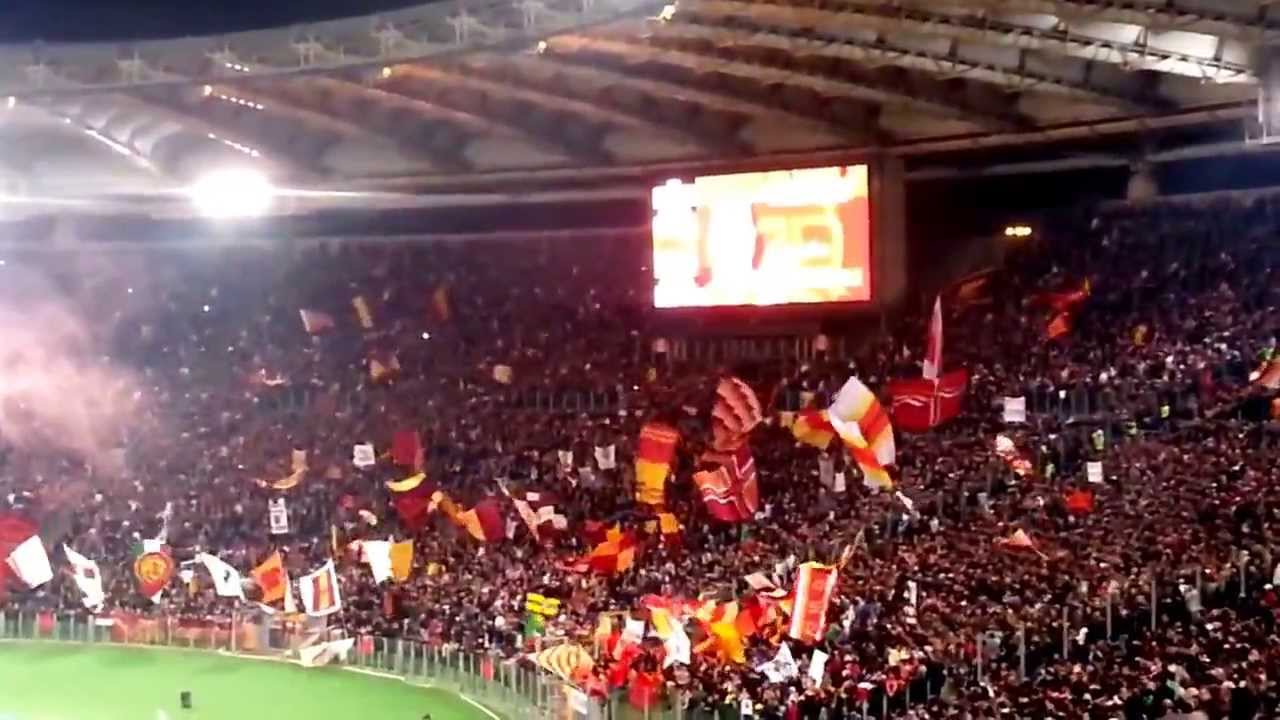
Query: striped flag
(812, 428)
(815, 584)
(857, 404)
(319, 591)
(656, 449)
(730, 492)
(736, 413)
(873, 473)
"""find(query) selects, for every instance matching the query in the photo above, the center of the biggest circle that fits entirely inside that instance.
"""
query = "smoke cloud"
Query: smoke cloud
(60, 393)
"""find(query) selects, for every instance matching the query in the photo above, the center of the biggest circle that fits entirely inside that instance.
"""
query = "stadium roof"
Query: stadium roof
(475, 93)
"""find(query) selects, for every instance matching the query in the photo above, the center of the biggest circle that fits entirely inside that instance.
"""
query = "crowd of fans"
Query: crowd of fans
(1156, 603)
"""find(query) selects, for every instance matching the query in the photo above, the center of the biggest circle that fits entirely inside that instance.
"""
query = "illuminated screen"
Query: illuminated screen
(763, 238)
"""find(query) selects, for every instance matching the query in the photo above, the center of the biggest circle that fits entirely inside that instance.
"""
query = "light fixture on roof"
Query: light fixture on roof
(668, 12)
(1018, 231)
(232, 193)
(542, 46)
(207, 90)
(386, 71)
(12, 102)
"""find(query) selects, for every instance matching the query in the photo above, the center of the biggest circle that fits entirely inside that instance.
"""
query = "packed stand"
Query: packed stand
(1152, 373)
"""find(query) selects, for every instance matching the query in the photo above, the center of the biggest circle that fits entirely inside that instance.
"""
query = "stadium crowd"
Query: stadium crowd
(1154, 601)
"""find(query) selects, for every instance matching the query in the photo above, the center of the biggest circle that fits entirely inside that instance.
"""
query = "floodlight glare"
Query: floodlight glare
(232, 193)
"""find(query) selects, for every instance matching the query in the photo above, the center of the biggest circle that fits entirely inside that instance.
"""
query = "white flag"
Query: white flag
(633, 630)
(30, 562)
(818, 666)
(1015, 409)
(377, 553)
(1094, 471)
(782, 667)
(325, 653)
(278, 516)
(87, 577)
(226, 579)
(566, 459)
(362, 456)
(606, 457)
(319, 592)
(679, 648)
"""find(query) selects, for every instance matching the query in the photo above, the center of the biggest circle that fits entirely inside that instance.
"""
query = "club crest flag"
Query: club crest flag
(815, 583)
(153, 571)
(653, 461)
(319, 591)
(278, 516)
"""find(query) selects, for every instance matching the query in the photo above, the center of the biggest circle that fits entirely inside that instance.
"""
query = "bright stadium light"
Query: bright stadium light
(232, 193)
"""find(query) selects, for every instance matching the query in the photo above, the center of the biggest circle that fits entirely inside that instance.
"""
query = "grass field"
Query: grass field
(77, 682)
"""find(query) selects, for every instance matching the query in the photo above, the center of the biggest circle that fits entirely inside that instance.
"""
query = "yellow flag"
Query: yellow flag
(401, 560)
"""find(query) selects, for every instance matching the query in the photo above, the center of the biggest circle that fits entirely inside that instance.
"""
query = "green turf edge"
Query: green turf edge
(492, 713)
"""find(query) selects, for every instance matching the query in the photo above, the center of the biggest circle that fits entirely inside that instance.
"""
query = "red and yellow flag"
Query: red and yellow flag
(653, 462)
(271, 577)
(812, 428)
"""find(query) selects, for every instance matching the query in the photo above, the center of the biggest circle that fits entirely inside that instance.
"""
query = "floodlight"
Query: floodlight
(232, 193)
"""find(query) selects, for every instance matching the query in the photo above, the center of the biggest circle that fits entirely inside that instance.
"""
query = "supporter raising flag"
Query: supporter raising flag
(319, 592)
(656, 449)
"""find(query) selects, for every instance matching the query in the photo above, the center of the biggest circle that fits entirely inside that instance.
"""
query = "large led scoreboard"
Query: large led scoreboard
(779, 237)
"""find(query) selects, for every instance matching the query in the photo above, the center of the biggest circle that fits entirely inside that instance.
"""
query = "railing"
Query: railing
(513, 690)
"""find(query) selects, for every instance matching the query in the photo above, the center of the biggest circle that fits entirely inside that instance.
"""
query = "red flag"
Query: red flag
(815, 583)
(645, 690)
(1058, 326)
(412, 500)
(406, 449)
(731, 491)
(933, 351)
(1080, 502)
(920, 405)
(484, 521)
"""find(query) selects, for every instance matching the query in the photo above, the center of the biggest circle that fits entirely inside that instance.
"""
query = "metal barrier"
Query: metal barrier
(513, 690)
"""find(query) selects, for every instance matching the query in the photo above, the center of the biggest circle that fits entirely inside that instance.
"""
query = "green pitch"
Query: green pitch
(77, 682)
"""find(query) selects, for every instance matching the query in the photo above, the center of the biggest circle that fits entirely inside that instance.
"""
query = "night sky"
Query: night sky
(54, 20)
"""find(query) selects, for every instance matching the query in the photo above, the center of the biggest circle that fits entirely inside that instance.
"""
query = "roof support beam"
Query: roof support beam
(879, 52)
(572, 83)
(699, 52)
(613, 62)
(1167, 15)
(854, 18)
